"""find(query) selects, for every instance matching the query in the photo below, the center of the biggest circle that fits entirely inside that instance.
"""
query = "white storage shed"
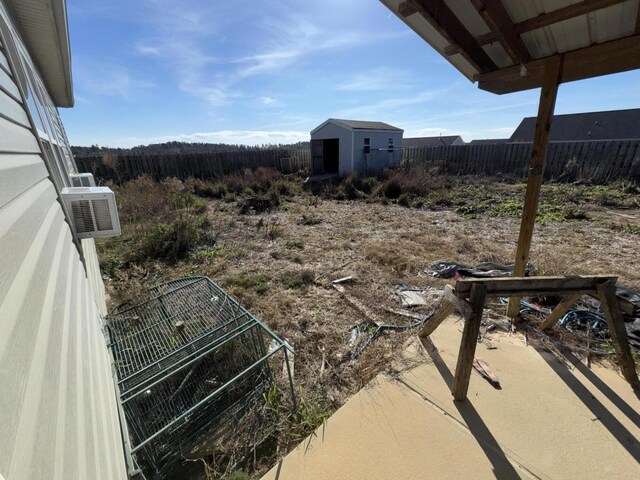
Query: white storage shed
(345, 146)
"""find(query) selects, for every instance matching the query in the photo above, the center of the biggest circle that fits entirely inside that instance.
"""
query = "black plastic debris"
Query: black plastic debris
(482, 270)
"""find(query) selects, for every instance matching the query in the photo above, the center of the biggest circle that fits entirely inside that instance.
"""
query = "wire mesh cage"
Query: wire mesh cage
(189, 360)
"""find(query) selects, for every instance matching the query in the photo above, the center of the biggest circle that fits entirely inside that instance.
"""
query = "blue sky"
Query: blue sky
(262, 71)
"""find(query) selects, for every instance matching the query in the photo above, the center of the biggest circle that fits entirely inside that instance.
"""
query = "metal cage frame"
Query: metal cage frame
(185, 357)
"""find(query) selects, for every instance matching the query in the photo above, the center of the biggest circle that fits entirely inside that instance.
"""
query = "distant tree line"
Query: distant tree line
(177, 148)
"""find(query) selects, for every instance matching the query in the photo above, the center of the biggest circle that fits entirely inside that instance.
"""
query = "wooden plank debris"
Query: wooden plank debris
(337, 281)
(483, 369)
(358, 305)
(404, 313)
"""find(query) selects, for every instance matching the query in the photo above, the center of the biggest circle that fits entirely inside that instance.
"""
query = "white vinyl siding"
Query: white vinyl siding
(15, 138)
(58, 404)
(379, 157)
(10, 108)
(8, 85)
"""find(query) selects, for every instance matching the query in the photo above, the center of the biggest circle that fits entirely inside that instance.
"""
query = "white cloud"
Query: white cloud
(429, 132)
(103, 77)
(296, 40)
(244, 137)
(391, 105)
(375, 79)
(283, 35)
(269, 101)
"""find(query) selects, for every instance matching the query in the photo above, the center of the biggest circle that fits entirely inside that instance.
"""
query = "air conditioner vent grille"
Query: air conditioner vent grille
(82, 180)
(82, 218)
(102, 215)
(93, 211)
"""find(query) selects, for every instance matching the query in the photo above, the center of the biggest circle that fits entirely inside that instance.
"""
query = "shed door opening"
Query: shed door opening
(331, 155)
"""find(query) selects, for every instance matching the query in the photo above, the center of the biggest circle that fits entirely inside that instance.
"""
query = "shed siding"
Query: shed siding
(376, 160)
(58, 404)
(331, 130)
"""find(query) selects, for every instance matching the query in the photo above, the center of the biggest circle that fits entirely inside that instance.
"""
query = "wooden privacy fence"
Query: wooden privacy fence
(120, 168)
(598, 161)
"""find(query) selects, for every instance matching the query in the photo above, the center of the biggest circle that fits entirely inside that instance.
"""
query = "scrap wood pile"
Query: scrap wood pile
(583, 328)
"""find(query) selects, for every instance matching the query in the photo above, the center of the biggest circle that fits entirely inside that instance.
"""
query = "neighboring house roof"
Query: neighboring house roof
(489, 141)
(358, 125)
(43, 27)
(608, 125)
(431, 141)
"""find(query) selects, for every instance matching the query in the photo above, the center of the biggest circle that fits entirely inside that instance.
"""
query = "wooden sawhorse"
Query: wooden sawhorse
(470, 294)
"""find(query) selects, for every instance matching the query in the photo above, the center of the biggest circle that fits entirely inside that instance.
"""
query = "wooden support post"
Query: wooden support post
(618, 332)
(557, 313)
(469, 342)
(548, 94)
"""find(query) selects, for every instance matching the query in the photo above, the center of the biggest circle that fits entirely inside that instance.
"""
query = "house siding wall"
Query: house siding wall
(58, 404)
(376, 160)
(331, 130)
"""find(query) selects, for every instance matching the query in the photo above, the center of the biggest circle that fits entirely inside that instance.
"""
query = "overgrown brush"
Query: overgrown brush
(161, 221)
(261, 181)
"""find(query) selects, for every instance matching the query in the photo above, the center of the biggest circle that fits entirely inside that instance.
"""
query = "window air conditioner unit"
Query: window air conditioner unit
(82, 180)
(93, 210)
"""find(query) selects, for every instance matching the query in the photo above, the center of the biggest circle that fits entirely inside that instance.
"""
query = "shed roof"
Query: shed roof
(43, 27)
(608, 125)
(505, 45)
(430, 141)
(358, 125)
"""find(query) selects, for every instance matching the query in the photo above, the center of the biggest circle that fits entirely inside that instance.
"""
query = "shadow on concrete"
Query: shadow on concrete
(279, 469)
(502, 467)
(613, 397)
(600, 413)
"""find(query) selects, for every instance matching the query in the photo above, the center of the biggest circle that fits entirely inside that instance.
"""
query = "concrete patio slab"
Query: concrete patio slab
(547, 421)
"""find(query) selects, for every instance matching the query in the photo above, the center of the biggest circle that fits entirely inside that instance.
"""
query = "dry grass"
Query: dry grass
(280, 266)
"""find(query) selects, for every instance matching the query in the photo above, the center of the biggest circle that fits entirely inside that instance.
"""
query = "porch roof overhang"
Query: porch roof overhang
(505, 45)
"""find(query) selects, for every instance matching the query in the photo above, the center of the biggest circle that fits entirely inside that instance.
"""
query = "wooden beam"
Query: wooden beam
(444, 310)
(600, 59)
(407, 9)
(618, 332)
(498, 20)
(468, 344)
(544, 20)
(547, 103)
(565, 13)
(449, 303)
(506, 286)
(557, 313)
(440, 16)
